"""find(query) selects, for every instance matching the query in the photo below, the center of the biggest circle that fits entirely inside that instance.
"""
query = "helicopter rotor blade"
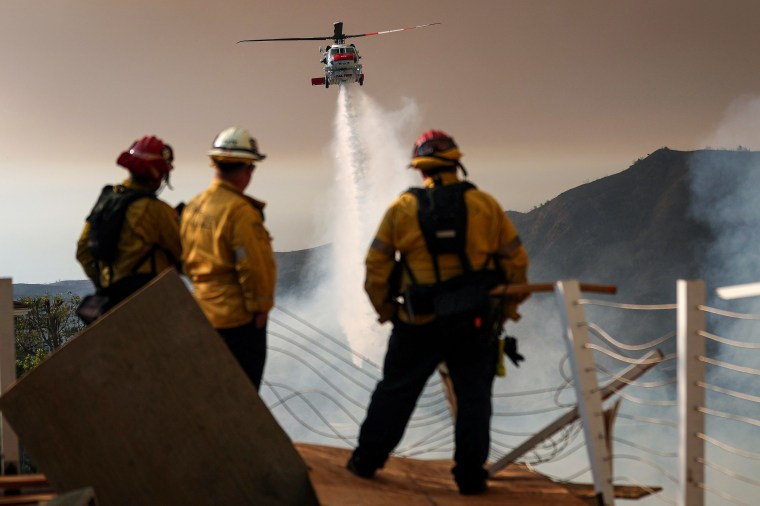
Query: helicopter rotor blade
(338, 34)
(285, 39)
(390, 31)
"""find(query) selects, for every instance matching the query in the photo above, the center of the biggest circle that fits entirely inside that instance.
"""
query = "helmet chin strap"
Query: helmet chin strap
(164, 184)
(457, 163)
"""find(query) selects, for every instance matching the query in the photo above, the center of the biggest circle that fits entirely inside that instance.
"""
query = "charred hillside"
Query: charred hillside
(636, 229)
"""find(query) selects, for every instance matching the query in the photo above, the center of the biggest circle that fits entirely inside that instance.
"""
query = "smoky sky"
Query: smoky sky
(540, 96)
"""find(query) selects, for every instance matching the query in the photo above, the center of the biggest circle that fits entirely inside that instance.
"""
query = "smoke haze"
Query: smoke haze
(371, 155)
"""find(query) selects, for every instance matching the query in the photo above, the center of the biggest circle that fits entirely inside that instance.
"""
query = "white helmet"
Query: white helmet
(235, 144)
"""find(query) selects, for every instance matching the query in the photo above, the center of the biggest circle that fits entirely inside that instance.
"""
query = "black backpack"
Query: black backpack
(107, 219)
(442, 215)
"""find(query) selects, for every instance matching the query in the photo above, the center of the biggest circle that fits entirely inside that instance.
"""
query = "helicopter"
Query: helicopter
(341, 60)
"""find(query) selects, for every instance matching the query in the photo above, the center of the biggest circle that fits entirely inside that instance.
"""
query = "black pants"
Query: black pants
(249, 345)
(414, 352)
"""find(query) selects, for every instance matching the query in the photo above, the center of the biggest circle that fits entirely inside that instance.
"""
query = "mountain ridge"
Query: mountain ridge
(635, 229)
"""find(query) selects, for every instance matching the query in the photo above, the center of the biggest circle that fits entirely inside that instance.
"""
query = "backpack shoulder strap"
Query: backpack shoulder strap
(107, 219)
(442, 215)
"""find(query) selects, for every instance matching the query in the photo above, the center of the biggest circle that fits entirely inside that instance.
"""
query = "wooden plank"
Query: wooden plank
(80, 497)
(630, 492)
(23, 481)
(523, 288)
(411, 482)
(148, 406)
(14, 500)
(631, 373)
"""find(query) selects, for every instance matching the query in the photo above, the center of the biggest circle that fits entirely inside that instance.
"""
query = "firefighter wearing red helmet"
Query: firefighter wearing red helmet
(454, 244)
(130, 235)
(227, 252)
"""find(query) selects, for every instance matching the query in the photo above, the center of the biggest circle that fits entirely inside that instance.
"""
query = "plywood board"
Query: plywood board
(149, 407)
(412, 482)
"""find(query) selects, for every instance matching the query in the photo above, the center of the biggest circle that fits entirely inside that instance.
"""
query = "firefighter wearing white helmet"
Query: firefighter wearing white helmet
(227, 251)
(235, 144)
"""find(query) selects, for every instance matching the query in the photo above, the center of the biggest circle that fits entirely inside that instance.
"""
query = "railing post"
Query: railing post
(691, 372)
(586, 388)
(10, 449)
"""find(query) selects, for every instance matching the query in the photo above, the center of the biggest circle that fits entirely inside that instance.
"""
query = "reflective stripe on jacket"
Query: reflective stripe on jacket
(227, 254)
(150, 223)
(489, 232)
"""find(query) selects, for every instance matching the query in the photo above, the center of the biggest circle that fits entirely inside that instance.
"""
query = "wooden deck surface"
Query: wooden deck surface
(411, 482)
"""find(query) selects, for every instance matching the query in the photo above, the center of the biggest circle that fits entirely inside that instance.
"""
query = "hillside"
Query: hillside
(641, 230)
(293, 268)
(636, 229)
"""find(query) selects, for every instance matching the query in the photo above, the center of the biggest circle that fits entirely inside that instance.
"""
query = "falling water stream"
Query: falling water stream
(370, 171)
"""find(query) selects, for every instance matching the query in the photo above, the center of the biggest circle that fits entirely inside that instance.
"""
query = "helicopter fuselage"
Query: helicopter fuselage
(341, 65)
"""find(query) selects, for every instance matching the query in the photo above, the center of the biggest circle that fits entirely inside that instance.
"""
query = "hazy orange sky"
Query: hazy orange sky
(540, 95)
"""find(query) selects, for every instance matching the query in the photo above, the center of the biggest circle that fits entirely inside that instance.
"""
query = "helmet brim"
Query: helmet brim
(446, 158)
(235, 154)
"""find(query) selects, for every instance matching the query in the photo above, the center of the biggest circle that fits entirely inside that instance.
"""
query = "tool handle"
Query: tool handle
(548, 287)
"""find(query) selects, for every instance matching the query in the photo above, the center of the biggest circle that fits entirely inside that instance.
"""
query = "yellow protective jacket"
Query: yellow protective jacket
(227, 254)
(489, 232)
(149, 223)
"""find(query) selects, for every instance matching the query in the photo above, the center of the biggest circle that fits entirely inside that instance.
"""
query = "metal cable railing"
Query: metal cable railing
(431, 428)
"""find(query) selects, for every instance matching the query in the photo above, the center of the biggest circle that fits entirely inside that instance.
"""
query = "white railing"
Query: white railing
(669, 433)
(715, 376)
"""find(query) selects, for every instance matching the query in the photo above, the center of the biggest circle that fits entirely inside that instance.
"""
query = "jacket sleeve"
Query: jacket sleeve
(85, 258)
(168, 237)
(153, 223)
(379, 263)
(513, 259)
(254, 259)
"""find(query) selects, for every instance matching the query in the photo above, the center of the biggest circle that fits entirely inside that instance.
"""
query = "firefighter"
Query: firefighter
(130, 235)
(227, 252)
(436, 322)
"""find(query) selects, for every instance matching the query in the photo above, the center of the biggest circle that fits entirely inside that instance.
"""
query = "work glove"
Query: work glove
(510, 350)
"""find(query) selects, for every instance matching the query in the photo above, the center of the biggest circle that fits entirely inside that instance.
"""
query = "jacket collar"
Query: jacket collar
(134, 185)
(220, 183)
(447, 178)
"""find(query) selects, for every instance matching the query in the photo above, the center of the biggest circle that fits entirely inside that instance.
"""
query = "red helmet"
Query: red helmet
(148, 158)
(434, 148)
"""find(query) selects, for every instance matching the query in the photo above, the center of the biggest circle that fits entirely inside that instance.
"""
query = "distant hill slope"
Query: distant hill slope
(76, 287)
(635, 229)
(293, 269)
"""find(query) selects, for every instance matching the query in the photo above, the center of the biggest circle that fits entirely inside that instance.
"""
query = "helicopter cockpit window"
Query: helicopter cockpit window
(343, 50)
